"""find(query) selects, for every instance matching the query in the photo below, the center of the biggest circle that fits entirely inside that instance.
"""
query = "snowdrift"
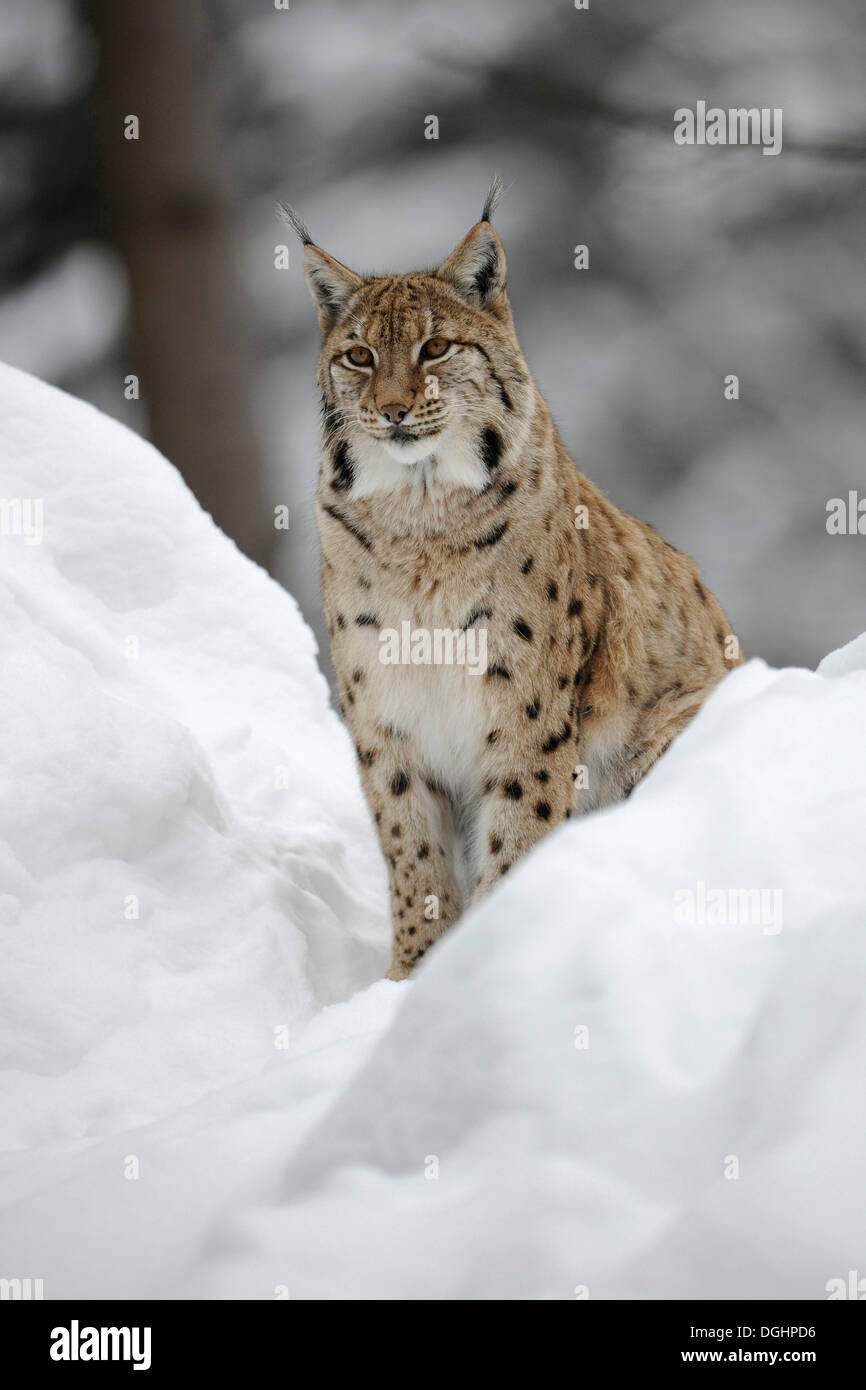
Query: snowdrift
(636, 1071)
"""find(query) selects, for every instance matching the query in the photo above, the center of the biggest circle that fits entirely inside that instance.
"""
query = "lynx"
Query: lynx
(447, 505)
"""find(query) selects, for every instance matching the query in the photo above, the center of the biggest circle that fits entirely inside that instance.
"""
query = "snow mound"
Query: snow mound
(638, 1070)
(186, 859)
(635, 1071)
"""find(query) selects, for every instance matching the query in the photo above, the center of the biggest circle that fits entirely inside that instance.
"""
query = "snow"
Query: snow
(209, 1091)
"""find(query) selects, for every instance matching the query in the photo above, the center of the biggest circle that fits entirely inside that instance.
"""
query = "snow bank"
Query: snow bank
(705, 1136)
(185, 860)
(636, 1071)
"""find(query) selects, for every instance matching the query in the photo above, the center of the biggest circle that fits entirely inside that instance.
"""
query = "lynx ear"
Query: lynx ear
(476, 268)
(331, 285)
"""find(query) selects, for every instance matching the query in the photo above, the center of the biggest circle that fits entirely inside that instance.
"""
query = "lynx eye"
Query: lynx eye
(360, 356)
(433, 348)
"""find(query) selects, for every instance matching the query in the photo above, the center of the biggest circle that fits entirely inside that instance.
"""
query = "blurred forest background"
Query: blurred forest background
(158, 256)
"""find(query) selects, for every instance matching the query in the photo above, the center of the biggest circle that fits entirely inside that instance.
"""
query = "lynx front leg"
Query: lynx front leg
(527, 792)
(416, 843)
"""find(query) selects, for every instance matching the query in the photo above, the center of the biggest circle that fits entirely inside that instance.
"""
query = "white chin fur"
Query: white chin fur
(383, 466)
(413, 451)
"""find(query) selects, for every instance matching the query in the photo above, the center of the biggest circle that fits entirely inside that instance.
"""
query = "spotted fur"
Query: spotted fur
(446, 499)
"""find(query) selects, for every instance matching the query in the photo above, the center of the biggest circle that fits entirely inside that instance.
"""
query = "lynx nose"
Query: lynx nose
(395, 412)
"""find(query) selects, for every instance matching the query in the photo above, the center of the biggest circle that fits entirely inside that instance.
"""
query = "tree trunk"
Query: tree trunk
(169, 202)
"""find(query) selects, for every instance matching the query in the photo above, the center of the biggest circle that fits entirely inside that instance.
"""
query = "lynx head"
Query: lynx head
(420, 374)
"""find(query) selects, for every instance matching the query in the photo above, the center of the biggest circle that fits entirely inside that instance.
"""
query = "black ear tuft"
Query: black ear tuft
(297, 224)
(494, 193)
